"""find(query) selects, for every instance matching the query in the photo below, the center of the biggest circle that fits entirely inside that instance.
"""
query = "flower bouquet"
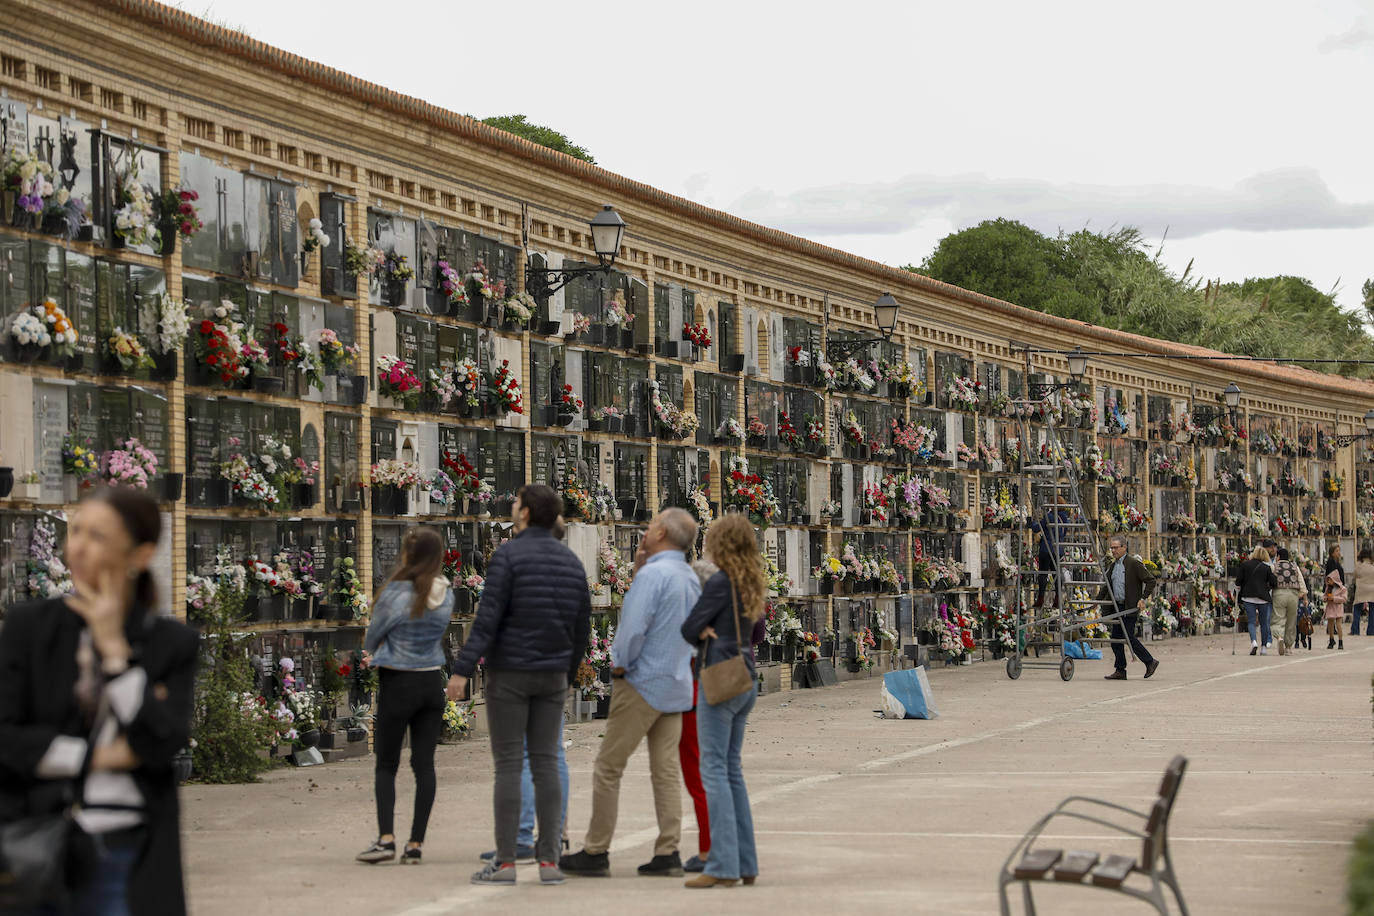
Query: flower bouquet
(396, 380)
(504, 388)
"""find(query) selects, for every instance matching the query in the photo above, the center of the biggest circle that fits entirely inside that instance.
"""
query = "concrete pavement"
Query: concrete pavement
(855, 813)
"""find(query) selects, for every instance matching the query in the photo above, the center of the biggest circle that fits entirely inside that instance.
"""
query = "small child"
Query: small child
(1335, 594)
(1304, 624)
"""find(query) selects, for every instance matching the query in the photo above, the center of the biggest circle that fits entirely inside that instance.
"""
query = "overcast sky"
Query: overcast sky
(1244, 129)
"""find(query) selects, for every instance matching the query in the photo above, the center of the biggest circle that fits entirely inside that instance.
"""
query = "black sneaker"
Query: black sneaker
(411, 856)
(378, 852)
(669, 866)
(696, 865)
(586, 864)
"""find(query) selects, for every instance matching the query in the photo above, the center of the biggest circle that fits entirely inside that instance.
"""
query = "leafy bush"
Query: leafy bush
(228, 729)
(1360, 891)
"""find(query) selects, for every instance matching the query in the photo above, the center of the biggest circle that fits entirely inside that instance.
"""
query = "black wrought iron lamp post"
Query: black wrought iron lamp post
(884, 313)
(607, 229)
(1204, 415)
(1078, 367)
(1343, 441)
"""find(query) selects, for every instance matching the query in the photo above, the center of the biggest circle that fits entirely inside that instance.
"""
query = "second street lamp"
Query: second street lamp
(1078, 367)
(1343, 441)
(607, 230)
(884, 315)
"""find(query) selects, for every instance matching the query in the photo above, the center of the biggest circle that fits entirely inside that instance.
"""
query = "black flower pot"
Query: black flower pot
(596, 334)
(354, 735)
(268, 384)
(310, 737)
(165, 366)
(171, 487)
(564, 419)
(614, 424)
(166, 239)
(627, 339)
(667, 348)
(6, 482)
(733, 362)
(603, 708)
(358, 389)
(85, 232)
(252, 611)
(549, 328)
(302, 495)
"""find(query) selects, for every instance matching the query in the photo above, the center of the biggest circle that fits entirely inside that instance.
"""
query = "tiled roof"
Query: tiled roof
(293, 65)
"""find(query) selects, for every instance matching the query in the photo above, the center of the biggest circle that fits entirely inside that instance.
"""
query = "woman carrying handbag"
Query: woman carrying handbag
(731, 604)
(96, 692)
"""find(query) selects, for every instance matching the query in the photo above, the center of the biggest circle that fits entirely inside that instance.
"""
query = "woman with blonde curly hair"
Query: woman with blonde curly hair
(731, 603)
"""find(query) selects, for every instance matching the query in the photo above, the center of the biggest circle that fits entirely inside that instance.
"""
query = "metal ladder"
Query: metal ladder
(1051, 488)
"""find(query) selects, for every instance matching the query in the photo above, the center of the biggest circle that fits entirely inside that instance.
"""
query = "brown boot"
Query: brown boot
(705, 880)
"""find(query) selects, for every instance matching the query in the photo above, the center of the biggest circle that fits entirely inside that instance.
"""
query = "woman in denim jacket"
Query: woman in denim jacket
(406, 638)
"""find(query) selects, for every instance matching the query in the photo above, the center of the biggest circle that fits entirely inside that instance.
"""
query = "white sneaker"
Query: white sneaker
(1264, 650)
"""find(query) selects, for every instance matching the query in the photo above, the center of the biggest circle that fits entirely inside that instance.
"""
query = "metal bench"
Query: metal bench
(1028, 864)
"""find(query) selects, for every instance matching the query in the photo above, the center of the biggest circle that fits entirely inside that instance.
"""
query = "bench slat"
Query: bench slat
(1075, 865)
(1113, 872)
(1035, 863)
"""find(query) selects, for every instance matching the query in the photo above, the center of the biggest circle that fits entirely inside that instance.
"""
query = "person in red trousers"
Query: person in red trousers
(690, 755)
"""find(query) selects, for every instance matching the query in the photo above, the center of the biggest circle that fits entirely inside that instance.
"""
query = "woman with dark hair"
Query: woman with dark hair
(1362, 593)
(730, 604)
(406, 638)
(96, 694)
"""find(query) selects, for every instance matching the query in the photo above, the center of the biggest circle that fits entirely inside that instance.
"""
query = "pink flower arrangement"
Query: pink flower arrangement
(396, 379)
(130, 465)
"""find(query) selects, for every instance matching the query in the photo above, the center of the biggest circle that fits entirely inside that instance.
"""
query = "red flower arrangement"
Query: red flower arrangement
(788, 433)
(697, 334)
(221, 351)
(178, 207)
(505, 388)
(569, 400)
(463, 473)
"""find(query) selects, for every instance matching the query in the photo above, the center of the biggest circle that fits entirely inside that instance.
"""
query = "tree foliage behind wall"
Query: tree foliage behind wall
(1111, 279)
(537, 133)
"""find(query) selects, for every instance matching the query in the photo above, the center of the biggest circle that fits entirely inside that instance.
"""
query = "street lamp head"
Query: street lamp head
(1078, 364)
(607, 231)
(885, 312)
(1369, 422)
(1232, 396)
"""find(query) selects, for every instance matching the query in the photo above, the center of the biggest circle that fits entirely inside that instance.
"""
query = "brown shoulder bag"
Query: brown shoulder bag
(729, 678)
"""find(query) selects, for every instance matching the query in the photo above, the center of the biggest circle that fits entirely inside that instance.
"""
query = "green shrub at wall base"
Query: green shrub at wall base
(228, 745)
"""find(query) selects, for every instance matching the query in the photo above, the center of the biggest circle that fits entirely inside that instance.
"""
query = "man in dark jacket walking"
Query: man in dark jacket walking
(531, 628)
(1130, 583)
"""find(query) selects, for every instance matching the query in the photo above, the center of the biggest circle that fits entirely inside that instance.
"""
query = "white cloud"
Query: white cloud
(1359, 35)
(1280, 200)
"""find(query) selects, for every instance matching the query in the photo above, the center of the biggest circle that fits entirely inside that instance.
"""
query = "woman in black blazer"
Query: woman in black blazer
(99, 675)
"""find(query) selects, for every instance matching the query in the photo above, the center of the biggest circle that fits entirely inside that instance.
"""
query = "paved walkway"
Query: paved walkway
(855, 813)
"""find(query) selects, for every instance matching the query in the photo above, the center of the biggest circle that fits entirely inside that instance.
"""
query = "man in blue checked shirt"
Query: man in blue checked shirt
(651, 689)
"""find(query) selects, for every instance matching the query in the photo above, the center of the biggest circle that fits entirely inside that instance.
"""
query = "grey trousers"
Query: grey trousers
(525, 711)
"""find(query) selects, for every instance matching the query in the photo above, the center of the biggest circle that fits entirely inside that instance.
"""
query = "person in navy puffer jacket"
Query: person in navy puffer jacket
(530, 632)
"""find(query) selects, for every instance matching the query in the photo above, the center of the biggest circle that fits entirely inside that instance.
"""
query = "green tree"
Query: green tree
(228, 741)
(1367, 291)
(537, 133)
(1112, 279)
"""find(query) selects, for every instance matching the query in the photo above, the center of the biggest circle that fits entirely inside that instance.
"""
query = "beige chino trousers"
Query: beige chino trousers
(630, 721)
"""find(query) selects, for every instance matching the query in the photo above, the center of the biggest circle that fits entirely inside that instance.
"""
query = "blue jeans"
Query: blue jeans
(720, 732)
(1368, 611)
(526, 835)
(107, 891)
(1264, 611)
